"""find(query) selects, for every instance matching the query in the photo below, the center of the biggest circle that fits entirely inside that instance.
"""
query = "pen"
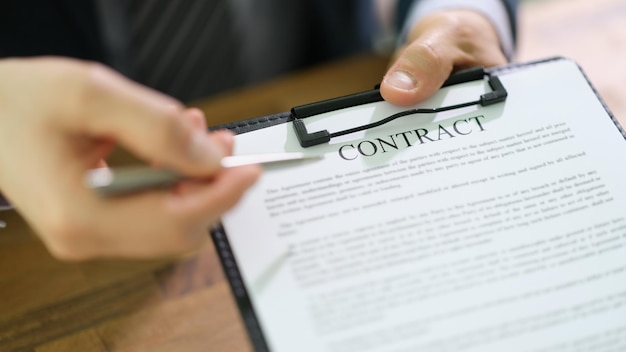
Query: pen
(118, 181)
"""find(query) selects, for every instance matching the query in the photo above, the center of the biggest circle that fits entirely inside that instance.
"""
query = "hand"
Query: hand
(61, 117)
(437, 45)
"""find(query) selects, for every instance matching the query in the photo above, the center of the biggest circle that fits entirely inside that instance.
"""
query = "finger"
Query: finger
(102, 164)
(172, 222)
(180, 218)
(225, 138)
(222, 137)
(197, 118)
(149, 124)
(198, 200)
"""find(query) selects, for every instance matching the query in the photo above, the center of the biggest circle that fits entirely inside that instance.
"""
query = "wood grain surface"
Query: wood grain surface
(160, 305)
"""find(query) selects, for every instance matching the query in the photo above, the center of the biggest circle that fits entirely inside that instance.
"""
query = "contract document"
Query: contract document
(497, 228)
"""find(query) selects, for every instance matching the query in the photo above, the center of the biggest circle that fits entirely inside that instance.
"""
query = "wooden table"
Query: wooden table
(180, 305)
(185, 305)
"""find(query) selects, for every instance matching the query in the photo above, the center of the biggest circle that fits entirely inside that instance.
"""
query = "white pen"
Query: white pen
(117, 181)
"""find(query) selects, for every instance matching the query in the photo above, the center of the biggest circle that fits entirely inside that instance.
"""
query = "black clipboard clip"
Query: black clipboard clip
(306, 139)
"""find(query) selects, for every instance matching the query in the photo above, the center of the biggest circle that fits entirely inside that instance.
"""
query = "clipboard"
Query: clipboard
(297, 118)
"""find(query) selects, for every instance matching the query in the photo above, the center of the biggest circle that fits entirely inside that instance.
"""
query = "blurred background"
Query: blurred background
(593, 33)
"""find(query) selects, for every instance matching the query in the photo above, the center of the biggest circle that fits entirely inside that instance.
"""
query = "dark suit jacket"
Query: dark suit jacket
(71, 28)
(50, 27)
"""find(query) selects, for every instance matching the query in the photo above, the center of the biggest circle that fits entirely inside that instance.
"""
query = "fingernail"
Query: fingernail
(401, 80)
(204, 150)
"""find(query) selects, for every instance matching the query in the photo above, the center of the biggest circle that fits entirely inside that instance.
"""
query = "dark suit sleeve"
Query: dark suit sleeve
(50, 27)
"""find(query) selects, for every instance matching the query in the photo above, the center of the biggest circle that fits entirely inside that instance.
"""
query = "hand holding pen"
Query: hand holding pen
(72, 130)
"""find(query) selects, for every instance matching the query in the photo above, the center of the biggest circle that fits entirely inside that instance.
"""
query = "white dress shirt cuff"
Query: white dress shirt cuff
(494, 10)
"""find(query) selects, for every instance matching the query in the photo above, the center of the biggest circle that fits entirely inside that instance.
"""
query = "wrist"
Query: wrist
(494, 11)
(464, 27)
(458, 39)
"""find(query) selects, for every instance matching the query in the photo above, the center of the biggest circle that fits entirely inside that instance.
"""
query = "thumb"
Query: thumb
(416, 74)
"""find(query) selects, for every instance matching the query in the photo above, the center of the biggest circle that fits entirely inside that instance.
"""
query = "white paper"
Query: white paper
(504, 230)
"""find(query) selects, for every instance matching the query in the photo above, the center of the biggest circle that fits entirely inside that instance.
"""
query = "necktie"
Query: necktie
(184, 48)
